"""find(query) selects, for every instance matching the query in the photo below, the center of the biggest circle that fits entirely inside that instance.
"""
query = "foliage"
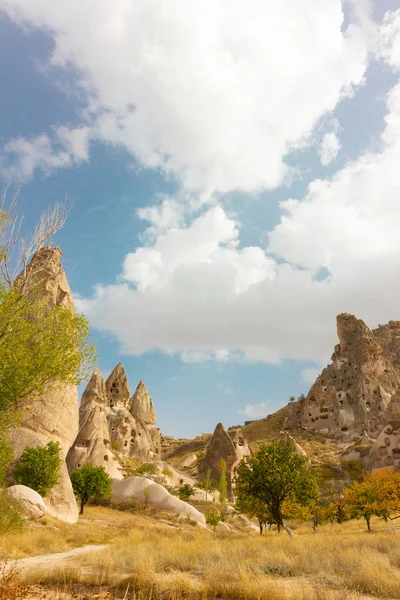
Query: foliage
(6, 452)
(213, 517)
(116, 446)
(254, 508)
(90, 482)
(279, 479)
(333, 493)
(147, 469)
(38, 468)
(378, 494)
(223, 484)
(185, 491)
(354, 469)
(11, 517)
(292, 399)
(39, 348)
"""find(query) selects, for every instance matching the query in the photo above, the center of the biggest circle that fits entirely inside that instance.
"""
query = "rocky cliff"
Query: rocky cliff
(232, 448)
(110, 417)
(54, 415)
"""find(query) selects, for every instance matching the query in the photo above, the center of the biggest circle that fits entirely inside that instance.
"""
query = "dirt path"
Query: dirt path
(51, 560)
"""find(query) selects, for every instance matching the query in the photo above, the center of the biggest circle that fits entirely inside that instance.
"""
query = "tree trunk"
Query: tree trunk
(288, 530)
(368, 519)
(261, 527)
(82, 506)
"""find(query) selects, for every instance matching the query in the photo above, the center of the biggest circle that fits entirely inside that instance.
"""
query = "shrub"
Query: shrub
(11, 517)
(213, 517)
(90, 482)
(39, 468)
(148, 469)
(185, 491)
(116, 446)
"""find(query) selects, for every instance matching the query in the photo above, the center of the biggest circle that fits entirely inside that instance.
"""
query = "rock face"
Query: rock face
(385, 453)
(108, 416)
(146, 490)
(231, 448)
(353, 393)
(54, 415)
(31, 502)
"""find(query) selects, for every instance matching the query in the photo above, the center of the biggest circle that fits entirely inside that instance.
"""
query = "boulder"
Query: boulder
(53, 416)
(189, 461)
(146, 490)
(31, 502)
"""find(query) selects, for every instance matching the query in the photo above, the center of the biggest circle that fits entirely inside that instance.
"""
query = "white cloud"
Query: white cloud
(20, 157)
(216, 92)
(390, 39)
(330, 147)
(255, 411)
(195, 292)
(311, 374)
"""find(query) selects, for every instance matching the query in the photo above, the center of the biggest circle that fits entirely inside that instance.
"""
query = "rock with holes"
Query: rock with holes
(355, 391)
(385, 452)
(146, 491)
(92, 444)
(54, 415)
(32, 503)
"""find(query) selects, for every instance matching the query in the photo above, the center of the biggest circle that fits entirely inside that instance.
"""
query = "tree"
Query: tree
(213, 517)
(39, 468)
(334, 495)
(255, 508)
(40, 347)
(223, 485)
(292, 399)
(377, 495)
(90, 482)
(207, 482)
(279, 479)
(185, 491)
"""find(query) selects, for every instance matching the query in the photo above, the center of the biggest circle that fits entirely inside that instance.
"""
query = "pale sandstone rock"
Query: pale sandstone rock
(31, 502)
(385, 453)
(54, 415)
(189, 461)
(92, 444)
(352, 394)
(232, 448)
(146, 490)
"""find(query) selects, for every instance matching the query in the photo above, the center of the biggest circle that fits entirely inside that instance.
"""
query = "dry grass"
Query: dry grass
(337, 562)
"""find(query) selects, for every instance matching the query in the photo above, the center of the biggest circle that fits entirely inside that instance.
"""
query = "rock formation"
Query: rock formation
(109, 417)
(54, 415)
(232, 448)
(385, 453)
(31, 503)
(353, 393)
(146, 490)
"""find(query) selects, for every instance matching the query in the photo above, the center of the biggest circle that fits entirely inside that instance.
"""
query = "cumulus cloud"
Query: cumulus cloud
(330, 147)
(196, 292)
(20, 158)
(255, 411)
(216, 92)
(311, 374)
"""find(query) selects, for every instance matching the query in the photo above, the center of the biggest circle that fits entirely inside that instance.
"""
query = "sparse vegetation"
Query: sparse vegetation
(11, 517)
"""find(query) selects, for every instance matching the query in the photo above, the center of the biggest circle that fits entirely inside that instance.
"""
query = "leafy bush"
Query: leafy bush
(185, 491)
(147, 468)
(90, 482)
(116, 446)
(213, 517)
(38, 468)
(11, 517)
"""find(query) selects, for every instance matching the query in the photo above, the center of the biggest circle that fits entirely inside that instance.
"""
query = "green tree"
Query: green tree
(90, 482)
(213, 517)
(223, 484)
(185, 491)
(39, 468)
(40, 348)
(254, 508)
(279, 479)
(292, 399)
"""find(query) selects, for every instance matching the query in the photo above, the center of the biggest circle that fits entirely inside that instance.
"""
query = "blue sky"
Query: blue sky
(234, 180)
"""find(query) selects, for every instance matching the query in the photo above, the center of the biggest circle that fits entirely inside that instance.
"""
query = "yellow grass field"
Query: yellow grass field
(163, 557)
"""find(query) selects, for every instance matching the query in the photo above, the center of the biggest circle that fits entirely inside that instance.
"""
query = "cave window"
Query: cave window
(125, 444)
(79, 465)
(106, 458)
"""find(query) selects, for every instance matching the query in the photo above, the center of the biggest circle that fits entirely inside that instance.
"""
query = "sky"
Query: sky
(233, 172)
